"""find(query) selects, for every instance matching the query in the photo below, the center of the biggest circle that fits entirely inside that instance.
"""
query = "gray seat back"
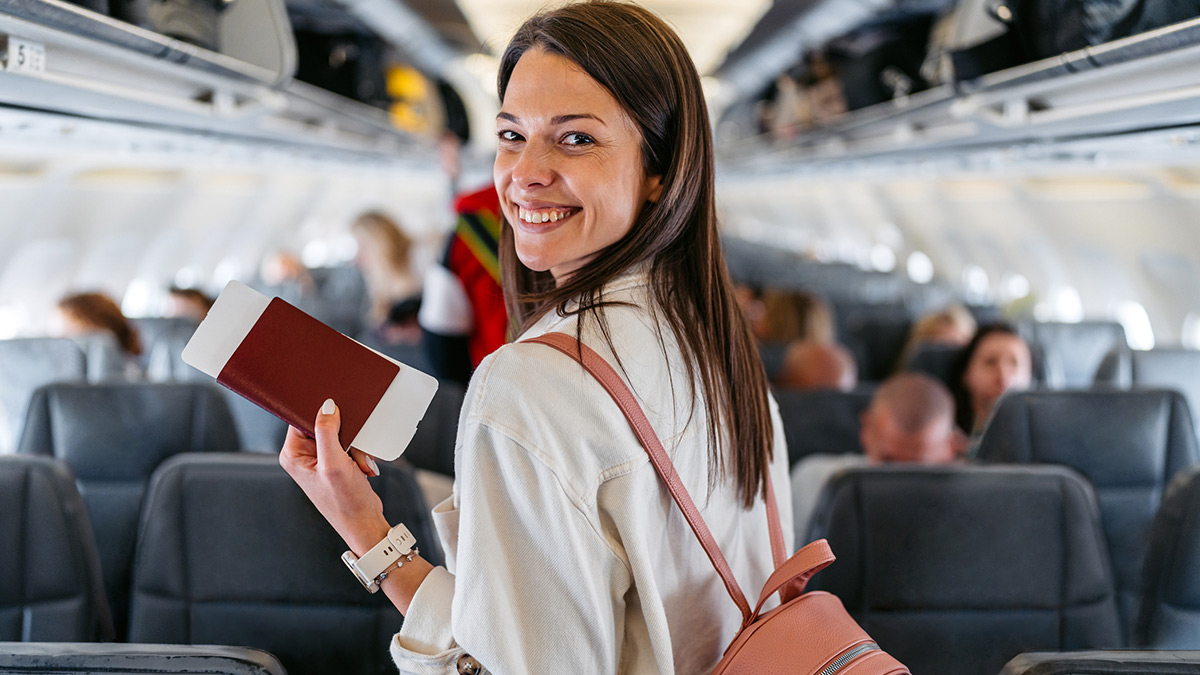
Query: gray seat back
(1129, 444)
(1070, 353)
(954, 570)
(934, 360)
(25, 365)
(63, 658)
(113, 436)
(1163, 368)
(821, 421)
(230, 551)
(432, 447)
(163, 340)
(1170, 613)
(50, 583)
(1114, 662)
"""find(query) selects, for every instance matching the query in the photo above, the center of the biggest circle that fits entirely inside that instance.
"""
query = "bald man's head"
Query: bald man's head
(809, 364)
(910, 419)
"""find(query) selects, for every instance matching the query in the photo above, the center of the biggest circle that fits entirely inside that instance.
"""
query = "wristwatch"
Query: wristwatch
(397, 548)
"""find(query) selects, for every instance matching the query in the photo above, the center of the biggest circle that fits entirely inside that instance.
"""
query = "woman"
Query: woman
(384, 259)
(568, 554)
(994, 362)
(112, 342)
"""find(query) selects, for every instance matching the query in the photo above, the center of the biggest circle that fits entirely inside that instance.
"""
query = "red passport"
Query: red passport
(288, 363)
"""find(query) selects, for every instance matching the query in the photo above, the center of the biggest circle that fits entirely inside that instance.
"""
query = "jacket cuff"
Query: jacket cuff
(426, 640)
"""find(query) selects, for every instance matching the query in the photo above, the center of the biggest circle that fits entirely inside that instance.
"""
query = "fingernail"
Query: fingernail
(373, 465)
(328, 407)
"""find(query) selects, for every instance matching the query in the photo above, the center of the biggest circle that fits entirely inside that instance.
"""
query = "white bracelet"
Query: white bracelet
(397, 548)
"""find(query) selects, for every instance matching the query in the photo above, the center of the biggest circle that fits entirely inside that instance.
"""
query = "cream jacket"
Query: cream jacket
(565, 553)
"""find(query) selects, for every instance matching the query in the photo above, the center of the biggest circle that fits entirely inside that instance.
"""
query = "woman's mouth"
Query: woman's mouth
(549, 215)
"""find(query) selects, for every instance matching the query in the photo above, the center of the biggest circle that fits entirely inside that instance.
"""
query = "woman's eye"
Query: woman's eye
(509, 136)
(578, 139)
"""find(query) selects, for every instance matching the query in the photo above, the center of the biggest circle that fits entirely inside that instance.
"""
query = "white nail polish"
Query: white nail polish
(373, 465)
(328, 407)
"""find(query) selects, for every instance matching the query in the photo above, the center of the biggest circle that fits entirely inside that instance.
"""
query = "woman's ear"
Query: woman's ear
(653, 188)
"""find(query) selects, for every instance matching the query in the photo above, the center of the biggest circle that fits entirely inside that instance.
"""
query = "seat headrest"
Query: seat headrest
(143, 423)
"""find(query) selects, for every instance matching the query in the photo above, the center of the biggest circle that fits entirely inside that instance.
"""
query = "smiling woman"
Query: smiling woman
(565, 551)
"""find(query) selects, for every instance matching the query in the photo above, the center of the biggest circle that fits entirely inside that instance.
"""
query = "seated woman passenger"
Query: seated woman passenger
(952, 326)
(565, 552)
(996, 360)
(112, 343)
(395, 291)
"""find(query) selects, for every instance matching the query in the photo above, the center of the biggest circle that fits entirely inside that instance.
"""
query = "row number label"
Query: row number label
(25, 57)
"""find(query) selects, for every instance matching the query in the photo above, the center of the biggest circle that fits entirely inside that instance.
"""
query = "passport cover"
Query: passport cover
(288, 363)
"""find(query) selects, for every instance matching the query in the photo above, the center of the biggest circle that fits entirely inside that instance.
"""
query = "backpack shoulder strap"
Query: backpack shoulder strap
(616, 387)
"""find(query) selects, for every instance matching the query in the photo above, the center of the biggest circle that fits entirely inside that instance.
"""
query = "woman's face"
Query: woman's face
(1000, 362)
(569, 167)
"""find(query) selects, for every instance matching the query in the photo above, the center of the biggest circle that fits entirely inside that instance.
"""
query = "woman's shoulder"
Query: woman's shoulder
(546, 405)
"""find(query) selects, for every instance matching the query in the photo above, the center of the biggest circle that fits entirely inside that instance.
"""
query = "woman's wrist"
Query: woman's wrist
(365, 535)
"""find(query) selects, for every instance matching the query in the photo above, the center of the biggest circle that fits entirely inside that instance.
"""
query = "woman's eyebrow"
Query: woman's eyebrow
(558, 119)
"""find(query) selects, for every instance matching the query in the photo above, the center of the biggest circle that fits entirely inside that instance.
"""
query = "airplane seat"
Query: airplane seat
(340, 300)
(1170, 613)
(1102, 662)
(821, 421)
(106, 361)
(954, 570)
(230, 551)
(257, 430)
(50, 580)
(1175, 368)
(163, 340)
(1129, 444)
(934, 360)
(432, 446)
(880, 335)
(113, 436)
(25, 365)
(71, 658)
(1071, 352)
(772, 355)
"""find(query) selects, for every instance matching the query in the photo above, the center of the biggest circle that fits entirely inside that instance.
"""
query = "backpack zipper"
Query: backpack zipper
(841, 661)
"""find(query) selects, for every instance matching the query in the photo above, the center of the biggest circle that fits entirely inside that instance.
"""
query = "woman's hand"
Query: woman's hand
(335, 482)
(337, 485)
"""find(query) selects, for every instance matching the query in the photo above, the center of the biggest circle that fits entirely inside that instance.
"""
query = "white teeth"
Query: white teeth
(535, 217)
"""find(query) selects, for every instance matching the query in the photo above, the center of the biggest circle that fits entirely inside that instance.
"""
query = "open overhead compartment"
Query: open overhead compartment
(1139, 97)
(63, 60)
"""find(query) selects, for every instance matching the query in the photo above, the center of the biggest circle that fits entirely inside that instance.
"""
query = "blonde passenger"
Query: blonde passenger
(384, 257)
(952, 326)
(556, 556)
(789, 316)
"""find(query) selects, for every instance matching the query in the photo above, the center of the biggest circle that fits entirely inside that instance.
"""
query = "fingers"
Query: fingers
(329, 421)
(329, 447)
(365, 462)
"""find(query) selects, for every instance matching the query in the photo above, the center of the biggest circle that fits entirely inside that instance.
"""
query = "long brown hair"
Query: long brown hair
(640, 61)
(100, 312)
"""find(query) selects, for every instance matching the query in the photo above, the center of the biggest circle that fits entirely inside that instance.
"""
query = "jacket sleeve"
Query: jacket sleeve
(537, 587)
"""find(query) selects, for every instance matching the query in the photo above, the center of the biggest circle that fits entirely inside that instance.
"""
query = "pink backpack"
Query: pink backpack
(808, 633)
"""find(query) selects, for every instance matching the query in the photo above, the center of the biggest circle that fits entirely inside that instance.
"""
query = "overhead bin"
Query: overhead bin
(61, 58)
(1147, 82)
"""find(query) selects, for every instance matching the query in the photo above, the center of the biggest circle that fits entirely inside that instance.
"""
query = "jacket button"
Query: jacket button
(467, 665)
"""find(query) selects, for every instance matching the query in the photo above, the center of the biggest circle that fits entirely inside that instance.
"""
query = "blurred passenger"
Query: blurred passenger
(952, 326)
(95, 318)
(384, 259)
(190, 303)
(996, 360)
(910, 419)
(286, 275)
(811, 364)
(795, 315)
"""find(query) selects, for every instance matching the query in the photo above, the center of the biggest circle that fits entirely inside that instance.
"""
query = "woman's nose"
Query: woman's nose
(533, 167)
